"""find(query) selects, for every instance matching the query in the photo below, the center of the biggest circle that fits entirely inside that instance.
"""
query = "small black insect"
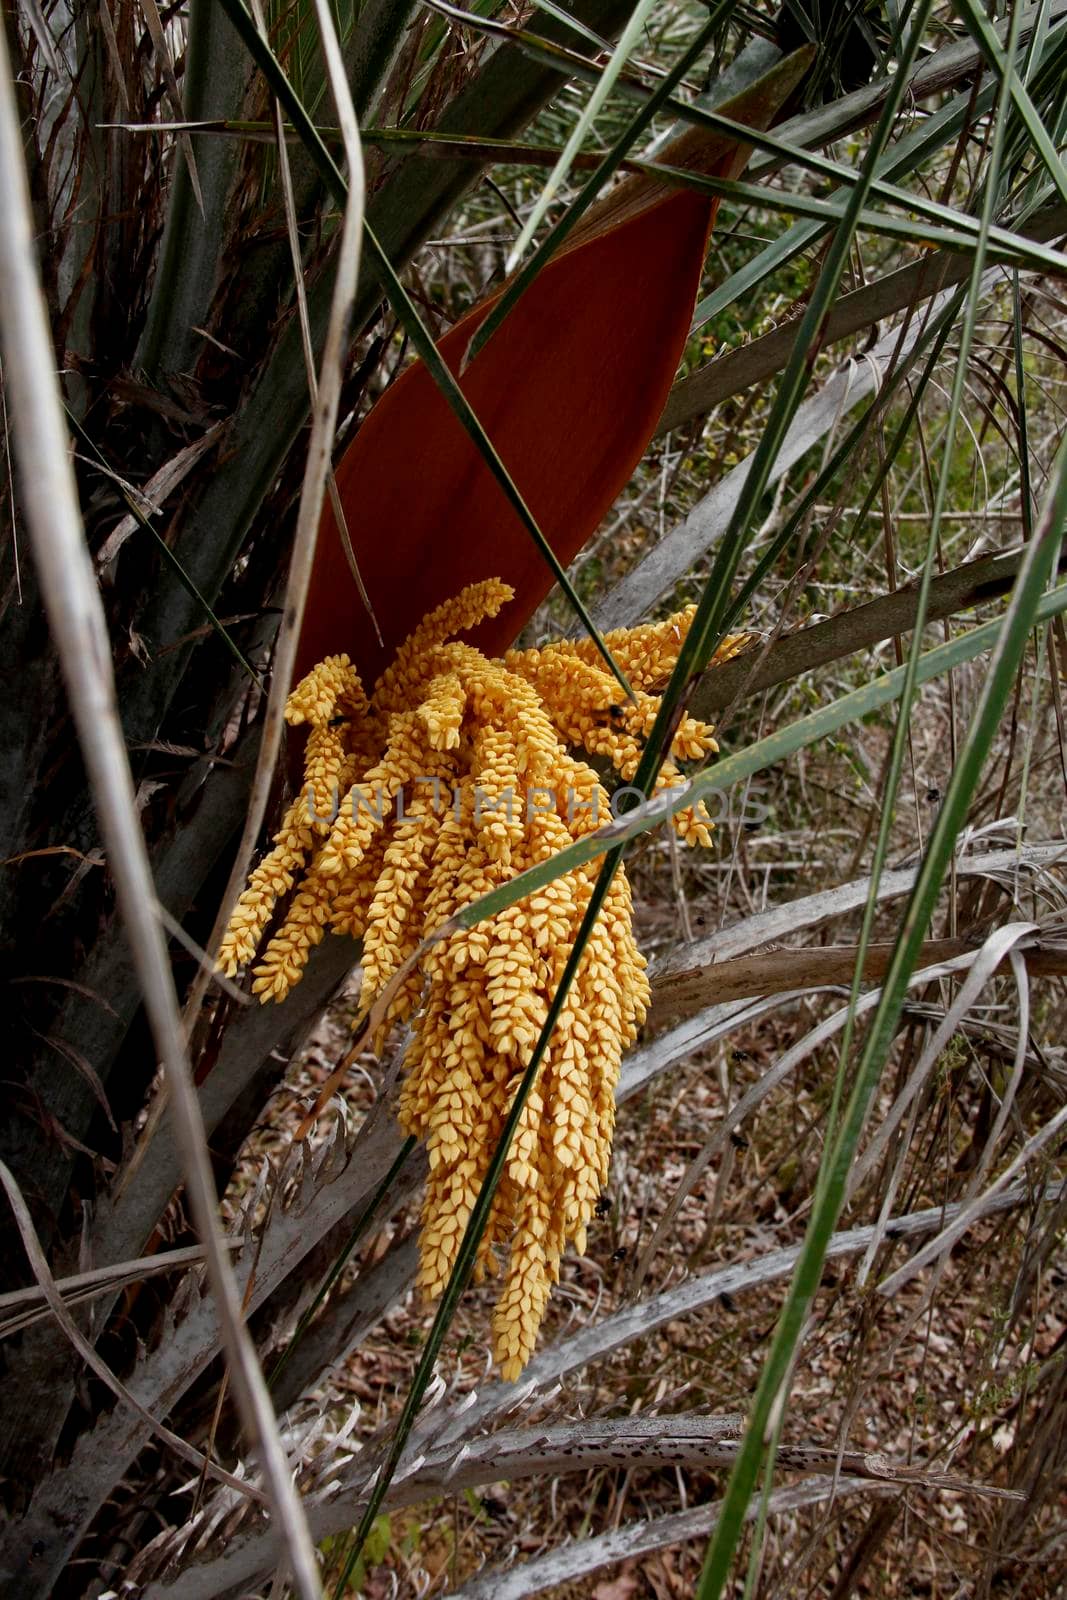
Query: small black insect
(602, 1207)
(493, 1507)
(727, 1301)
(616, 712)
(741, 1055)
(738, 1140)
(933, 795)
(620, 1254)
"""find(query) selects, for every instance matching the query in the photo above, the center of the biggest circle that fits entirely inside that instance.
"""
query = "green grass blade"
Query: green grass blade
(823, 166)
(558, 176)
(1024, 609)
(591, 189)
(960, 235)
(706, 629)
(1026, 501)
(841, 1143)
(906, 155)
(576, 27)
(1000, 61)
(990, 195)
(935, 336)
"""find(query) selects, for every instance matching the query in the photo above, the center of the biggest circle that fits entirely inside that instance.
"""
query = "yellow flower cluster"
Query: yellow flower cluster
(455, 776)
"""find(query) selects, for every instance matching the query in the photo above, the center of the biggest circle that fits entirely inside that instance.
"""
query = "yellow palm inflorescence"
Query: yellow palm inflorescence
(456, 775)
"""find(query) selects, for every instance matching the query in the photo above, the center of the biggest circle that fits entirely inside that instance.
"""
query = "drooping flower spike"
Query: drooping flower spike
(458, 773)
